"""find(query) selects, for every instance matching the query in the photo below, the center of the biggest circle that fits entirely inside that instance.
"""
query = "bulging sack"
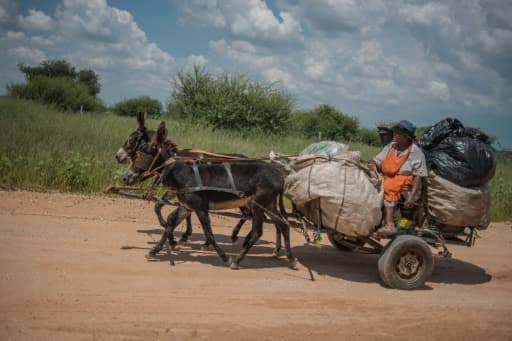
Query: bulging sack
(340, 193)
(455, 205)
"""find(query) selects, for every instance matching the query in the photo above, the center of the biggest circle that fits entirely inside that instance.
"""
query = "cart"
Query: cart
(406, 260)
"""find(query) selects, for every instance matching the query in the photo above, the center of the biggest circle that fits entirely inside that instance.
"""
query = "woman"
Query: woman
(402, 165)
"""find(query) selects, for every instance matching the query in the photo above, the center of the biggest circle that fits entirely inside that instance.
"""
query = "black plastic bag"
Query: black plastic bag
(439, 131)
(465, 161)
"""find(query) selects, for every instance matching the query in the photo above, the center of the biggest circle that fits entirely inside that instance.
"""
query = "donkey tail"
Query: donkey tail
(282, 209)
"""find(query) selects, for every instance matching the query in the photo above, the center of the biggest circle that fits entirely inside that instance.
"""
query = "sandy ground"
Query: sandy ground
(72, 268)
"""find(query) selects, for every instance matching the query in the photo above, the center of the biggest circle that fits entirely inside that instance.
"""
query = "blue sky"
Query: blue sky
(378, 60)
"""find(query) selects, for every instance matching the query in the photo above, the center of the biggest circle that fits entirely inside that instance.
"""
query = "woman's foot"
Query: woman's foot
(387, 230)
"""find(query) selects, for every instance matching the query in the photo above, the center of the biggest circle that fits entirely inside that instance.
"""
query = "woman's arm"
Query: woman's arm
(416, 187)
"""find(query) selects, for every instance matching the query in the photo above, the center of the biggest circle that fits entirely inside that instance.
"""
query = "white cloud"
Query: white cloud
(250, 20)
(109, 40)
(440, 90)
(28, 55)
(193, 60)
(16, 35)
(36, 20)
(41, 41)
(427, 14)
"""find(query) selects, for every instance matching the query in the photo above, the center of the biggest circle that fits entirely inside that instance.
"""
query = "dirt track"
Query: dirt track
(73, 267)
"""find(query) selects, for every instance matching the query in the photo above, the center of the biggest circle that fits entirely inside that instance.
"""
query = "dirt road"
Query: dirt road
(72, 267)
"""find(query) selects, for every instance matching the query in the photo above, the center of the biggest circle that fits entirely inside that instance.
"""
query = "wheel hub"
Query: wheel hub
(408, 265)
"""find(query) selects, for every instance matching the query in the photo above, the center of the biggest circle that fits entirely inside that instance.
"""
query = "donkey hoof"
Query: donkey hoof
(205, 247)
(234, 239)
(275, 254)
(234, 265)
(183, 240)
(151, 256)
(175, 247)
(228, 261)
(293, 264)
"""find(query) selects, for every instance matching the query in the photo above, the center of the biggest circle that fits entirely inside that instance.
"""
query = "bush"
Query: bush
(326, 123)
(132, 106)
(368, 136)
(229, 102)
(62, 92)
(62, 68)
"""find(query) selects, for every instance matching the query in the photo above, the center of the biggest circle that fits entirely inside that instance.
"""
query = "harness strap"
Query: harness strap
(199, 182)
(227, 167)
(197, 176)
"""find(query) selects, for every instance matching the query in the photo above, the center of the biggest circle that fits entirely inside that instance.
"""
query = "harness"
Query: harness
(200, 187)
(197, 177)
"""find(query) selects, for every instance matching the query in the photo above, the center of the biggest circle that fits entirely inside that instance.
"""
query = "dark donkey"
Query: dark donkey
(204, 186)
(140, 139)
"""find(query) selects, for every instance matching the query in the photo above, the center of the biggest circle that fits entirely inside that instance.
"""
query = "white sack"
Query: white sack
(336, 193)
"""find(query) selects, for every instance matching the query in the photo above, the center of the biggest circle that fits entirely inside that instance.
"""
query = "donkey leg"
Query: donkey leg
(173, 220)
(252, 237)
(277, 249)
(204, 219)
(188, 231)
(236, 230)
(246, 212)
(285, 230)
(158, 212)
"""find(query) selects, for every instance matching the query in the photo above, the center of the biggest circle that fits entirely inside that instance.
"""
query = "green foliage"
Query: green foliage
(229, 102)
(326, 123)
(501, 188)
(132, 106)
(48, 68)
(62, 92)
(368, 136)
(57, 82)
(90, 79)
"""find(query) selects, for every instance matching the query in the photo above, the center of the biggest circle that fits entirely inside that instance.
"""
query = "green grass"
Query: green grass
(501, 188)
(43, 149)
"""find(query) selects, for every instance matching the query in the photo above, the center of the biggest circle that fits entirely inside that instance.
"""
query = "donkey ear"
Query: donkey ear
(141, 117)
(161, 133)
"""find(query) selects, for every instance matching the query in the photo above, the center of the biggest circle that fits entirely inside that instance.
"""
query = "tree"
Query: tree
(48, 68)
(90, 79)
(230, 102)
(132, 106)
(329, 123)
(57, 82)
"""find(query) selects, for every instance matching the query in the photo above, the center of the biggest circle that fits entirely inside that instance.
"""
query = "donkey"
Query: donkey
(140, 139)
(204, 186)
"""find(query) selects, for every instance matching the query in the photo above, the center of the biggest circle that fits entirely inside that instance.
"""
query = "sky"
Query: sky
(377, 60)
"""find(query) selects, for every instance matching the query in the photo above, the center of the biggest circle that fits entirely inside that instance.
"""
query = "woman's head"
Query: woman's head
(403, 132)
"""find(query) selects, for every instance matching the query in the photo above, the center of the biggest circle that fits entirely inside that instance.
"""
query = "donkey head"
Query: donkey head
(142, 151)
(136, 139)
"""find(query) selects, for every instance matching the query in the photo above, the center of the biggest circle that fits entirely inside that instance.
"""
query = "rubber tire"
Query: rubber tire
(398, 247)
(331, 235)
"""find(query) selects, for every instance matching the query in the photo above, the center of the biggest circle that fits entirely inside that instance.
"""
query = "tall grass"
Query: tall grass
(44, 149)
(501, 188)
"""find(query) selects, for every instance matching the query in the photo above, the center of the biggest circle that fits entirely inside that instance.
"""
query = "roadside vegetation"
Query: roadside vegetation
(46, 146)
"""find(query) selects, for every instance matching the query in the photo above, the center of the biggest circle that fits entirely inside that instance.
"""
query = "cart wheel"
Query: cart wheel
(406, 264)
(348, 244)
